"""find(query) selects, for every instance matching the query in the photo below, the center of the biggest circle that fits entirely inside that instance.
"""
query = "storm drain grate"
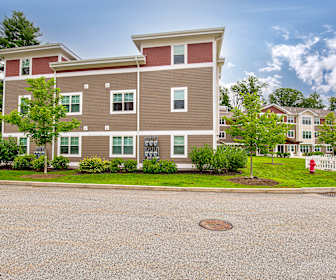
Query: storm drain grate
(329, 194)
(214, 224)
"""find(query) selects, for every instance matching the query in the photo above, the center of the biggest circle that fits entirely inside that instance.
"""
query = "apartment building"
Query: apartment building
(301, 138)
(158, 103)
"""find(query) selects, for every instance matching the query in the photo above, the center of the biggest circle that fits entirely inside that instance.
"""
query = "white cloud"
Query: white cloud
(230, 65)
(283, 31)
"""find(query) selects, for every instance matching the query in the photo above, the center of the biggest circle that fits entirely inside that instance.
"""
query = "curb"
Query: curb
(166, 188)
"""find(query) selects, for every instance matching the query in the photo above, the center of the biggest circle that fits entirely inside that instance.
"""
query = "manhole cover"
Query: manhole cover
(330, 194)
(213, 224)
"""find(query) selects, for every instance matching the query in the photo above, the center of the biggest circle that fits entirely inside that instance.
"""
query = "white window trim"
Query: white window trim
(185, 54)
(317, 148)
(28, 144)
(319, 121)
(123, 94)
(220, 120)
(69, 155)
(80, 102)
(307, 132)
(290, 116)
(122, 147)
(306, 117)
(185, 155)
(19, 100)
(329, 149)
(293, 133)
(185, 109)
(30, 67)
(220, 134)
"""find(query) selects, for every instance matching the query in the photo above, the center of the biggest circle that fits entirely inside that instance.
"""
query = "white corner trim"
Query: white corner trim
(172, 91)
(80, 102)
(185, 155)
(27, 96)
(122, 92)
(69, 155)
(122, 146)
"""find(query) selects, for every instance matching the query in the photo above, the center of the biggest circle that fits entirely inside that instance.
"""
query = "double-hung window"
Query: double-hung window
(317, 149)
(72, 103)
(290, 133)
(179, 99)
(179, 54)
(123, 101)
(222, 135)
(25, 66)
(23, 102)
(306, 120)
(306, 134)
(316, 134)
(329, 149)
(317, 121)
(23, 144)
(122, 146)
(304, 148)
(69, 146)
(290, 119)
(222, 121)
(179, 146)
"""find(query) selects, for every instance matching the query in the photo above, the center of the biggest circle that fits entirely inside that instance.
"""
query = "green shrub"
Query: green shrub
(116, 165)
(60, 162)
(9, 149)
(23, 162)
(93, 165)
(309, 154)
(155, 166)
(282, 155)
(38, 163)
(201, 157)
(130, 165)
(168, 166)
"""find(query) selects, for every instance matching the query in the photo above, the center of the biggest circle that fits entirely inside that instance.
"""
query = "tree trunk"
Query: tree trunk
(45, 159)
(251, 165)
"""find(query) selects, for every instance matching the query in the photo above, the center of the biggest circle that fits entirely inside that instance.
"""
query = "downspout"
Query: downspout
(216, 95)
(138, 112)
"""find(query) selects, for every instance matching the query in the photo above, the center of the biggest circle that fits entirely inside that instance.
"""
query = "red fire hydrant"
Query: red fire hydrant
(312, 165)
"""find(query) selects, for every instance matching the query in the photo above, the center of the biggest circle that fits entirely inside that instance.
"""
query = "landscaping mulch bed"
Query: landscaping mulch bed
(43, 176)
(254, 181)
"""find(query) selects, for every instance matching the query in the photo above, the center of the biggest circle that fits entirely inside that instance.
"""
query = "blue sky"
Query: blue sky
(286, 43)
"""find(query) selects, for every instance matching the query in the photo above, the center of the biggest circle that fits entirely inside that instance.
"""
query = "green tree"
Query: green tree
(332, 103)
(276, 131)
(286, 97)
(224, 98)
(313, 101)
(248, 126)
(18, 31)
(327, 132)
(40, 117)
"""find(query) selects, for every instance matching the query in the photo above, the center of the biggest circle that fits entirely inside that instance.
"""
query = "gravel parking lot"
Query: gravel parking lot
(110, 234)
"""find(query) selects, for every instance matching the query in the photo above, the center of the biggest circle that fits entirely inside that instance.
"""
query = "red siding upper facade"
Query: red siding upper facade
(273, 109)
(198, 53)
(40, 65)
(157, 56)
(12, 68)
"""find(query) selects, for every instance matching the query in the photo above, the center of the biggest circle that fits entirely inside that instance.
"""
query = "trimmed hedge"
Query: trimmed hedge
(93, 165)
(155, 166)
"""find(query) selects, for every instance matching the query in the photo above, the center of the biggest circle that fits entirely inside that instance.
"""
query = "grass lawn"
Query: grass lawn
(291, 174)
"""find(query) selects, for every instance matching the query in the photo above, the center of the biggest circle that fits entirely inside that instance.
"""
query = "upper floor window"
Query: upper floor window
(23, 102)
(25, 66)
(306, 120)
(290, 133)
(317, 121)
(179, 99)
(290, 119)
(222, 135)
(179, 54)
(316, 134)
(222, 121)
(72, 103)
(123, 101)
(306, 134)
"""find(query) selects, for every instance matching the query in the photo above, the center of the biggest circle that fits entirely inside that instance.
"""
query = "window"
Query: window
(317, 121)
(306, 120)
(179, 146)
(328, 122)
(72, 103)
(222, 135)
(304, 148)
(290, 134)
(290, 119)
(123, 101)
(179, 99)
(23, 102)
(316, 134)
(291, 148)
(317, 149)
(25, 66)
(222, 121)
(122, 146)
(70, 146)
(329, 149)
(306, 134)
(23, 144)
(179, 54)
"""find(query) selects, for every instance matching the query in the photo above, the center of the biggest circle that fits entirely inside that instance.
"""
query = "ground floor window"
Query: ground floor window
(329, 149)
(304, 148)
(291, 148)
(122, 146)
(222, 135)
(178, 146)
(23, 144)
(69, 146)
(317, 149)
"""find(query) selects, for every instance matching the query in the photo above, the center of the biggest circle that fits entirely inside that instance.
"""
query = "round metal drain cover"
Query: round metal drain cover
(214, 224)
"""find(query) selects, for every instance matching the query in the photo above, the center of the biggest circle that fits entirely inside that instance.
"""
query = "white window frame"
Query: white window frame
(122, 147)
(316, 134)
(185, 54)
(315, 121)
(291, 117)
(306, 117)
(317, 148)
(291, 148)
(301, 148)
(222, 133)
(289, 135)
(329, 149)
(122, 92)
(19, 101)
(28, 144)
(305, 133)
(69, 155)
(185, 109)
(222, 121)
(172, 155)
(30, 66)
(70, 94)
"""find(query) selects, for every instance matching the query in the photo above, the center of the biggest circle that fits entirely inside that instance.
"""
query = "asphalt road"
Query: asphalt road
(114, 234)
